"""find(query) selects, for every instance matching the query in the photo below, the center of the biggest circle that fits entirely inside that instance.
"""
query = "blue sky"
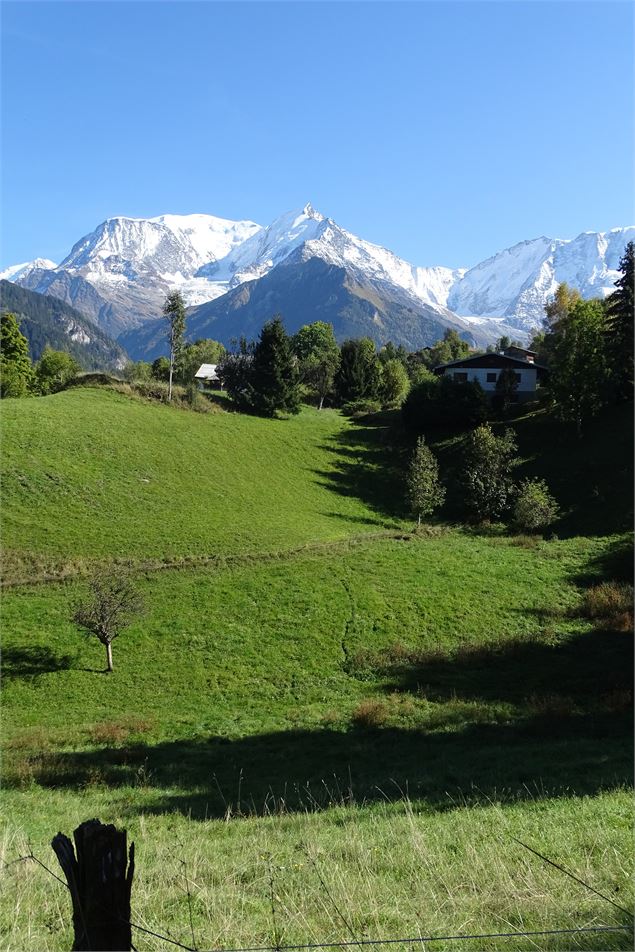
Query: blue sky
(444, 131)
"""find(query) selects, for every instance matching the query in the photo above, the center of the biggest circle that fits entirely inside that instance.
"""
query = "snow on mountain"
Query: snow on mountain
(129, 264)
(18, 272)
(312, 235)
(517, 283)
(172, 247)
(264, 250)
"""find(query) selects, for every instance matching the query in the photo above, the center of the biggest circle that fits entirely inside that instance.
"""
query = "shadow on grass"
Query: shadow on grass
(590, 670)
(591, 477)
(567, 731)
(30, 662)
(313, 770)
(370, 464)
(614, 563)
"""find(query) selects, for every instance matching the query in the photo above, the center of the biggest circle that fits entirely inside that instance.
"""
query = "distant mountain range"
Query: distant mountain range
(234, 275)
(46, 320)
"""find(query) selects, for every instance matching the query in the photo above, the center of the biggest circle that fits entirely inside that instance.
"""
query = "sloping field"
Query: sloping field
(91, 473)
(319, 711)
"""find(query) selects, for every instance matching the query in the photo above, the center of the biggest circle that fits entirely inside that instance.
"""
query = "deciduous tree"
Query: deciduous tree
(54, 369)
(174, 313)
(395, 383)
(578, 374)
(486, 476)
(112, 605)
(319, 357)
(424, 491)
(359, 374)
(204, 351)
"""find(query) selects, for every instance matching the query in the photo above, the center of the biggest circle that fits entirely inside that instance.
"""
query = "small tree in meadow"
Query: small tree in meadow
(423, 487)
(534, 507)
(486, 477)
(113, 603)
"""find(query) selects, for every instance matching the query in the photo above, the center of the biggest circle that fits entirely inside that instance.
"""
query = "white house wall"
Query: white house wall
(527, 382)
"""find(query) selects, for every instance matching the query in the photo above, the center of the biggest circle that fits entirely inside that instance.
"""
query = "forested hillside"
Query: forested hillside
(48, 322)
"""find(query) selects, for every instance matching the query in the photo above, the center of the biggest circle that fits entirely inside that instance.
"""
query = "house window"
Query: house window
(491, 378)
(460, 377)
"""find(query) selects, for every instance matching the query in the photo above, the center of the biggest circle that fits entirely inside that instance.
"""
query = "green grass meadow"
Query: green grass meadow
(326, 726)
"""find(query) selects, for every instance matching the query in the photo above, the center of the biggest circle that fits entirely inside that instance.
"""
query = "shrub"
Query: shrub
(358, 408)
(370, 713)
(54, 370)
(610, 603)
(534, 508)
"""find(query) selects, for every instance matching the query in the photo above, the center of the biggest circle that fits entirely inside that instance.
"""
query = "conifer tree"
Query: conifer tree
(15, 362)
(424, 491)
(620, 311)
(274, 372)
(359, 374)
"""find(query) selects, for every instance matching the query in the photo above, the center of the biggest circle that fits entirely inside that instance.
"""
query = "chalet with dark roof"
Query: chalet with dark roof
(486, 369)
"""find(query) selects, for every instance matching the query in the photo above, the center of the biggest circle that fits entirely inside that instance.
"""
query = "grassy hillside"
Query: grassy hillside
(378, 711)
(90, 473)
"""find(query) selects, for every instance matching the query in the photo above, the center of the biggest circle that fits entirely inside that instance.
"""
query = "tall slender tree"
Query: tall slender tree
(620, 314)
(424, 491)
(174, 312)
(578, 377)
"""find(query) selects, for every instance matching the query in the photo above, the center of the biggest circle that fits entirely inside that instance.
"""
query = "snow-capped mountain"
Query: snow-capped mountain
(19, 272)
(120, 273)
(517, 283)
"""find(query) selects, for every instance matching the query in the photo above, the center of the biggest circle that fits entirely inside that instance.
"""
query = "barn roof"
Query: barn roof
(206, 370)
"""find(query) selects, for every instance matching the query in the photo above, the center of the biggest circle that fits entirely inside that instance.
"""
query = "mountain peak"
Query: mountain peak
(310, 212)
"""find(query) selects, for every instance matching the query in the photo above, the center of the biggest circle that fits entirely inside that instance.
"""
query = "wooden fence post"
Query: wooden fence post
(99, 885)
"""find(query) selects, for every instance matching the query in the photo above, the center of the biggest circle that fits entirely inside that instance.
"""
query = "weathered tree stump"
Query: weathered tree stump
(99, 884)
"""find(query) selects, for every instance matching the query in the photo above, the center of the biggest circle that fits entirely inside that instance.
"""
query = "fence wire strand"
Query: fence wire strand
(344, 943)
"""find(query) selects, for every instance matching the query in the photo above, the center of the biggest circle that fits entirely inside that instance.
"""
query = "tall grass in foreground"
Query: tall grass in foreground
(352, 872)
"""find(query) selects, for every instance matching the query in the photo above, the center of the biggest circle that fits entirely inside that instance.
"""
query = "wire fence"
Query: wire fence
(361, 942)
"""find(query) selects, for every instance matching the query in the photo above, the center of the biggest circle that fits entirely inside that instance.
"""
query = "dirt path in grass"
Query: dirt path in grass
(18, 573)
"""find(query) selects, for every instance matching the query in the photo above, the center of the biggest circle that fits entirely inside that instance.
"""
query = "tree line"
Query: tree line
(587, 346)
(19, 376)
